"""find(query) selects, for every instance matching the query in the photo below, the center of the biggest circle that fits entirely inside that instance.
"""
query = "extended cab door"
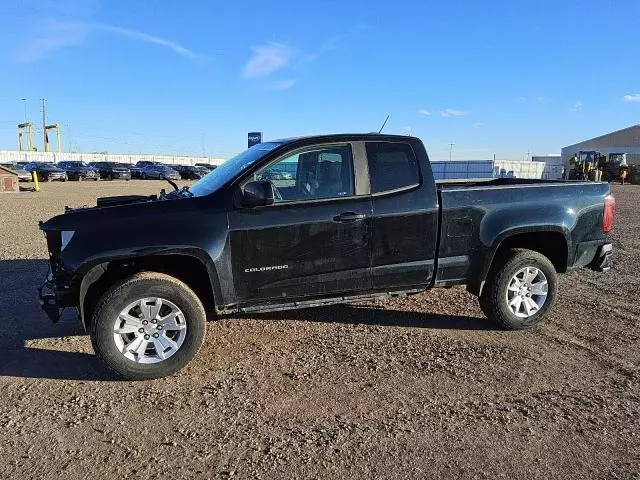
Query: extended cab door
(315, 240)
(405, 215)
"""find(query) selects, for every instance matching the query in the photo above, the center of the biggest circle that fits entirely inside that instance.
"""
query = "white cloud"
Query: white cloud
(51, 37)
(267, 59)
(540, 99)
(450, 112)
(144, 37)
(424, 112)
(478, 125)
(282, 84)
(332, 43)
(576, 106)
(633, 98)
(56, 35)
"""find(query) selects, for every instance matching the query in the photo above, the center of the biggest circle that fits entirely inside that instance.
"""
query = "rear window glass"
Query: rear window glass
(391, 166)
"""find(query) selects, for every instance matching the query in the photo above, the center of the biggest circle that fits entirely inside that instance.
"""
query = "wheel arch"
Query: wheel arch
(188, 266)
(551, 241)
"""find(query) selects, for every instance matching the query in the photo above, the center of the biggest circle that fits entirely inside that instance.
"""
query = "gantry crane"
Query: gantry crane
(55, 126)
(29, 127)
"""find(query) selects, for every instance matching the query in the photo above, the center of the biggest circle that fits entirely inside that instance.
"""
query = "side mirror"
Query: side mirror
(257, 194)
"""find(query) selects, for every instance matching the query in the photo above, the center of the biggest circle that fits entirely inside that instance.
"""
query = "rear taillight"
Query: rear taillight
(609, 213)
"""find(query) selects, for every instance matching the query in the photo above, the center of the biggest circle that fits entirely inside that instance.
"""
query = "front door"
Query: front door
(313, 241)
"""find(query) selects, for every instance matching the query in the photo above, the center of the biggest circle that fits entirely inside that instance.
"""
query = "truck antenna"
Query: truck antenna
(383, 124)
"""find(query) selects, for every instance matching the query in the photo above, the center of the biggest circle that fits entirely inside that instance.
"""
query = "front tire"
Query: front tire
(148, 326)
(521, 290)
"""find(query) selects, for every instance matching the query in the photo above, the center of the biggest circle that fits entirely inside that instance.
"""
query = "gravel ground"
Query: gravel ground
(423, 387)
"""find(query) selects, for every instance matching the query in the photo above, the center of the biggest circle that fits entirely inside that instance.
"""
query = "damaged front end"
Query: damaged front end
(54, 293)
(48, 299)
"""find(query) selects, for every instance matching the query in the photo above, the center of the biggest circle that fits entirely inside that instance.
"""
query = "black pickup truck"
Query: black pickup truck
(360, 216)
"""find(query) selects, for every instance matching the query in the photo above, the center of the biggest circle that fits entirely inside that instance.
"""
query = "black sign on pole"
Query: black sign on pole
(254, 138)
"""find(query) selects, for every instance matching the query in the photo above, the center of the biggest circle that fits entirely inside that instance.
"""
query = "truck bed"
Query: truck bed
(477, 215)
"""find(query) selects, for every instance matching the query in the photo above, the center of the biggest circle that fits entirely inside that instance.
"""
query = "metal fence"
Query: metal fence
(464, 169)
(12, 156)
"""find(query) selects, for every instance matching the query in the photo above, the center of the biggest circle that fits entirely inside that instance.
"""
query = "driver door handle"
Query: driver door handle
(349, 217)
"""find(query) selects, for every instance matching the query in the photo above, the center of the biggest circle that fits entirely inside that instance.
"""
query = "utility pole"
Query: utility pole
(24, 103)
(451, 150)
(43, 107)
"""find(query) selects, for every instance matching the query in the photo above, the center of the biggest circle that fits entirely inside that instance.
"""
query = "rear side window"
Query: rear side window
(391, 166)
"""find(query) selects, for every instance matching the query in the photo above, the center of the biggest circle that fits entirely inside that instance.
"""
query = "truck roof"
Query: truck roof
(338, 137)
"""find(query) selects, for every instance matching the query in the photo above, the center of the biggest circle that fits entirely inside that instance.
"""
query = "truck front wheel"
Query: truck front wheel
(148, 326)
(520, 291)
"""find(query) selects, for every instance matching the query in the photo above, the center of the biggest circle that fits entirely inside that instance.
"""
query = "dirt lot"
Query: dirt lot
(419, 388)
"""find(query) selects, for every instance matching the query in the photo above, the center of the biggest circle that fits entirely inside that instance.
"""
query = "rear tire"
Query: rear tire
(124, 335)
(521, 290)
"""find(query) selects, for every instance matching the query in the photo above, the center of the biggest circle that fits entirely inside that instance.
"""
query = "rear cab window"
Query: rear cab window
(392, 166)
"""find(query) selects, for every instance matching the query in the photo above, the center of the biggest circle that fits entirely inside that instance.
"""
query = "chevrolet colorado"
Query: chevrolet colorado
(360, 216)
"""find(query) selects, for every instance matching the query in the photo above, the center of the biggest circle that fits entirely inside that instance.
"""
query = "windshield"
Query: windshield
(76, 164)
(231, 168)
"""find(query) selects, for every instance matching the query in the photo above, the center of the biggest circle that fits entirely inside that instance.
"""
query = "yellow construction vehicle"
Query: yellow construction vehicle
(583, 165)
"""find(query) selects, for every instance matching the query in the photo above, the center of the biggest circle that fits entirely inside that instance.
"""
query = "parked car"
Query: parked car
(46, 171)
(77, 170)
(207, 166)
(363, 219)
(23, 175)
(188, 172)
(147, 170)
(112, 170)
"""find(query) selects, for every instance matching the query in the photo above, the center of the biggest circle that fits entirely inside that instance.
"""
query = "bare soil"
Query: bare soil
(423, 387)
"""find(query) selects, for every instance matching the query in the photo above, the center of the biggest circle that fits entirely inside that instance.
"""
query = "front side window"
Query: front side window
(311, 174)
(392, 166)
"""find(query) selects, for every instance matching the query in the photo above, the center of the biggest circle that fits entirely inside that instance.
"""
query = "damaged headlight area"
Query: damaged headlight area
(65, 238)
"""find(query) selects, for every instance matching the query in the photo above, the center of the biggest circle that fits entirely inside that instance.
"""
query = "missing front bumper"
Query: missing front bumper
(49, 300)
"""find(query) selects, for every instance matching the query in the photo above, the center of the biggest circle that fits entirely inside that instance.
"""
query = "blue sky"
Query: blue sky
(180, 77)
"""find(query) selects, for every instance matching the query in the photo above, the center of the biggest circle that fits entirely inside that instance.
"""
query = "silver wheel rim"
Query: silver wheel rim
(149, 330)
(527, 292)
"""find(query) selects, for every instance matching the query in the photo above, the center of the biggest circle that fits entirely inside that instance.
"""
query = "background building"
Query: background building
(625, 141)
(8, 180)
(553, 166)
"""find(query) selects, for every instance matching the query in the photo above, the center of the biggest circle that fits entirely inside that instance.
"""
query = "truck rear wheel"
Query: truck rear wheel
(148, 326)
(520, 291)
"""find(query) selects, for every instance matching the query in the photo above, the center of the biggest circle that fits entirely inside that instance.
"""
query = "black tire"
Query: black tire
(144, 285)
(493, 300)
(143, 176)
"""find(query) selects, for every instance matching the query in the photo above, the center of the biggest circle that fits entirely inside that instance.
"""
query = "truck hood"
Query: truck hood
(127, 211)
